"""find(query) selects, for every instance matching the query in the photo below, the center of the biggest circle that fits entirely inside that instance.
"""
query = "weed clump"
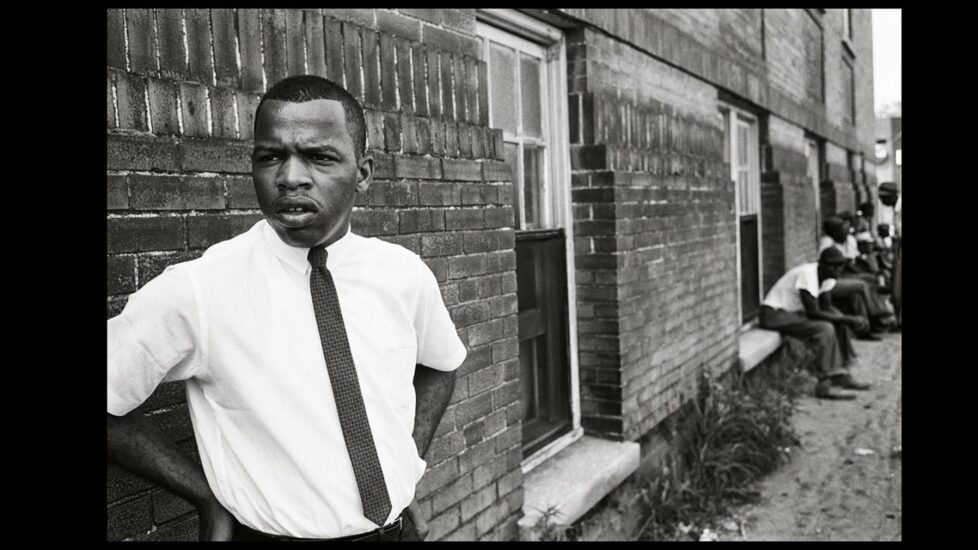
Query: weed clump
(734, 435)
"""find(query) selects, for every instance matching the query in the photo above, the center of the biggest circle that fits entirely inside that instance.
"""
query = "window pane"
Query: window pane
(510, 155)
(503, 81)
(532, 185)
(530, 92)
(742, 146)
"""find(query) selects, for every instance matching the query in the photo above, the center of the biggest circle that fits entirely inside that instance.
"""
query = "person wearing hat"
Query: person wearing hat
(800, 305)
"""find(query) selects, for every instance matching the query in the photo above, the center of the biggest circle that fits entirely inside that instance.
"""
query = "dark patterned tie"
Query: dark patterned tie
(346, 391)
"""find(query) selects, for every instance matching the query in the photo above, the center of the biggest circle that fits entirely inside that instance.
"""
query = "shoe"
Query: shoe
(869, 336)
(824, 390)
(848, 382)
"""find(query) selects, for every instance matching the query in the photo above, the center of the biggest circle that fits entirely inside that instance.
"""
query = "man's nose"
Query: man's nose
(293, 173)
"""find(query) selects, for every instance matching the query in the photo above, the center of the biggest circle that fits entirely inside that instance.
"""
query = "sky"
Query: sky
(887, 55)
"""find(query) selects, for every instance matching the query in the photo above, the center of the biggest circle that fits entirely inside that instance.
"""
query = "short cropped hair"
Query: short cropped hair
(302, 88)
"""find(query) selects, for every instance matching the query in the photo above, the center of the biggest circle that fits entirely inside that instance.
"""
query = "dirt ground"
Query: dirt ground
(844, 481)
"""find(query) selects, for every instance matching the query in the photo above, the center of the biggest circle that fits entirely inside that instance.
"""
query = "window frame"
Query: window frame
(521, 26)
(734, 117)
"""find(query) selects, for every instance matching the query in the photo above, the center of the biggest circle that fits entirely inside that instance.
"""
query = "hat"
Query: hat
(888, 188)
(832, 256)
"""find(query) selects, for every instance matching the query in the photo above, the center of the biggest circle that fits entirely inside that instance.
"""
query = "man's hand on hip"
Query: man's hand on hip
(216, 523)
(413, 511)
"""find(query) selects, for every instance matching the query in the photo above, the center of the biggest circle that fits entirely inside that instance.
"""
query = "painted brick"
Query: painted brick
(120, 274)
(361, 16)
(247, 106)
(392, 132)
(142, 234)
(416, 167)
(215, 156)
(442, 524)
(448, 244)
(405, 87)
(222, 112)
(452, 493)
(273, 45)
(131, 96)
(465, 218)
(420, 78)
(117, 193)
(115, 38)
(315, 44)
(465, 170)
(200, 66)
(370, 222)
(398, 25)
(173, 64)
(249, 43)
(295, 43)
(352, 60)
(434, 83)
(225, 47)
(141, 31)
(334, 49)
(167, 506)
(193, 100)
(128, 519)
(371, 69)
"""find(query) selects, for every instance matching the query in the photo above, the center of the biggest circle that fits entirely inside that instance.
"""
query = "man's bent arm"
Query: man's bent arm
(140, 446)
(433, 390)
(814, 312)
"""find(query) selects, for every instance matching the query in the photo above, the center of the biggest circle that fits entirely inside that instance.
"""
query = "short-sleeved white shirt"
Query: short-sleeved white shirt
(785, 294)
(850, 249)
(239, 326)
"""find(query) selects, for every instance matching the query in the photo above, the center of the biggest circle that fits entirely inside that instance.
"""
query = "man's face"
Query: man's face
(829, 271)
(305, 170)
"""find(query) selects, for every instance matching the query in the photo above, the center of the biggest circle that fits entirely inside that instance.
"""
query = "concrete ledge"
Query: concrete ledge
(755, 345)
(576, 478)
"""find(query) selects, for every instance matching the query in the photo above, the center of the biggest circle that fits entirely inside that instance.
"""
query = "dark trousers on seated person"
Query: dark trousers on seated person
(832, 341)
(402, 530)
(856, 295)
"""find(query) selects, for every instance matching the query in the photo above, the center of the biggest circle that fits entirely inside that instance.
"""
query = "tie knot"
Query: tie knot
(317, 257)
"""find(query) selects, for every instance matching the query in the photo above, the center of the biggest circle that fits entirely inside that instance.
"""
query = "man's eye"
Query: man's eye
(266, 157)
(320, 157)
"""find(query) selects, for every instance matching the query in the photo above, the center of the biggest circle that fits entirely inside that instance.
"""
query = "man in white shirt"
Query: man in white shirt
(244, 326)
(799, 305)
(891, 214)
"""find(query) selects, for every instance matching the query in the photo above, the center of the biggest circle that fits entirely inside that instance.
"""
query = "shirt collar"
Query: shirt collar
(298, 257)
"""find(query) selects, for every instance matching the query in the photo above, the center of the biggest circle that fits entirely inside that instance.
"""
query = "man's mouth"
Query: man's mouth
(296, 213)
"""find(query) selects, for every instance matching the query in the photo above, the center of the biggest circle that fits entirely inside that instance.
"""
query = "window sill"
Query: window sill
(576, 478)
(755, 345)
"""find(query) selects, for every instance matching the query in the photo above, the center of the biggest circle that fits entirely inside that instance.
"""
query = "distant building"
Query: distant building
(889, 150)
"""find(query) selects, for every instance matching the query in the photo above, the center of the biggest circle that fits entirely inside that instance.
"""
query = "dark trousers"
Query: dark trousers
(858, 295)
(832, 341)
(406, 531)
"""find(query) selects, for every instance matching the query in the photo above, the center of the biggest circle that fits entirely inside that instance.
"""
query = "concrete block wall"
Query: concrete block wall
(181, 90)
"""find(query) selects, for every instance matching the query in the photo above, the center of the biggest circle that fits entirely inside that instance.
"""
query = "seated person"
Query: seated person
(855, 292)
(799, 305)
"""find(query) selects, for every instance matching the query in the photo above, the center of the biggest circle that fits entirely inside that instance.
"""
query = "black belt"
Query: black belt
(245, 533)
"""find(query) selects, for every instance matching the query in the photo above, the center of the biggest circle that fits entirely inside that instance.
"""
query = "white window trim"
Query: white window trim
(732, 114)
(553, 40)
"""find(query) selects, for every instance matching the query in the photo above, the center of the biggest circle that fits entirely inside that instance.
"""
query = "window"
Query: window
(742, 152)
(849, 91)
(815, 152)
(527, 101)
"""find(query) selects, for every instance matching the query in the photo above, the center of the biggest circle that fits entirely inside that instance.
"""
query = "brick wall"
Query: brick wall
(654, 236)
(721, 46)
(181, 90)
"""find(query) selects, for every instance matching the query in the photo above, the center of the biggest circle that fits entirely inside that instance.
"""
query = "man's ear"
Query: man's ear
(365, 173)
